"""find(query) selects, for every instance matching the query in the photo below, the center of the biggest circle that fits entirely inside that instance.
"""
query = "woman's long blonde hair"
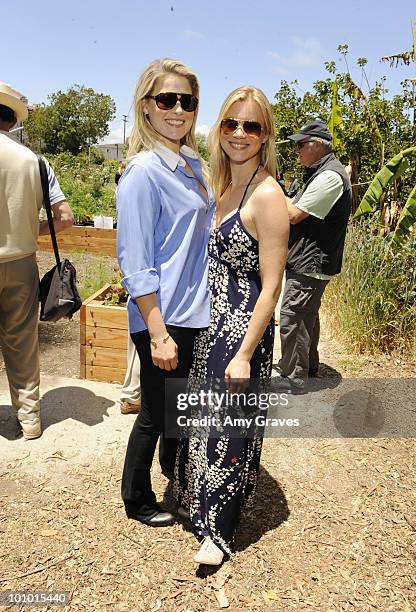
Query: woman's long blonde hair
(220, 163)
(143, 136)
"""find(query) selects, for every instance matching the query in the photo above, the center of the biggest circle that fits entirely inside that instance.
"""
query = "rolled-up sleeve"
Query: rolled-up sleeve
(137, 214)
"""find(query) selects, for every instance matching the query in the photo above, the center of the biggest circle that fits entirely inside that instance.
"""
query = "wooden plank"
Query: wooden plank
(85, 230)
(82, 332)
(114, 317)
(110, 251)
(90, 239)
(82, 371)
(68, 249)
(98, 232)
(84, 241)
(105, 374)
(91, 250)
(97, 295)
(103, 336)
(104, 356)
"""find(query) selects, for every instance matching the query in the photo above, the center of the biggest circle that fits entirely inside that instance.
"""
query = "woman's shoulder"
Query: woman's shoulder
(267, 189)
(145, 160)
(140, 167)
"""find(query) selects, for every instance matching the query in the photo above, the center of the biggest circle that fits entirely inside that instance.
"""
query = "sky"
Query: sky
(49, 45)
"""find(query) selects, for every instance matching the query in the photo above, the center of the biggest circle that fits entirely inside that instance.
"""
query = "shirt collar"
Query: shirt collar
(172, 159)
(11, 135)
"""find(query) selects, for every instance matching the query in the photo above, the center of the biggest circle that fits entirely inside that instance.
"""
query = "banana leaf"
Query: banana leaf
(407, 218)
(390, 172)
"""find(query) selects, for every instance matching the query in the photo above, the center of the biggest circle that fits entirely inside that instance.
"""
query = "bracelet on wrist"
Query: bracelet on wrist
(164, 340)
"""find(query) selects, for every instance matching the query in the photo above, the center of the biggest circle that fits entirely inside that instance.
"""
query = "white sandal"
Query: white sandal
(209, 553)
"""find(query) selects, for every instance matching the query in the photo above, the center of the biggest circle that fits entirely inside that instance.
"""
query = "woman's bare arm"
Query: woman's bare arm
(165, 356)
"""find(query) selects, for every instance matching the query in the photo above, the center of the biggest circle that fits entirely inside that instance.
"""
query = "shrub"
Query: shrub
(372, 303)
(88, 185)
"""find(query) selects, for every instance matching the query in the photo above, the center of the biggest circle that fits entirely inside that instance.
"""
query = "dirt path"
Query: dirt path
(333, 528)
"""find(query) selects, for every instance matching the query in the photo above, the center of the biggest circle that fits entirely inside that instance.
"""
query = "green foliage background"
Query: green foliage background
(372, 303)
(87, 183)
(72, 121)
(375, 127)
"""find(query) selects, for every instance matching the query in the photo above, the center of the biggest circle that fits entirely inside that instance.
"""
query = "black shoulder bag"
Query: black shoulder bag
(58, 293)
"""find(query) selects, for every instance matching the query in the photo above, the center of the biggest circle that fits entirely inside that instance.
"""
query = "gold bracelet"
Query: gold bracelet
(164, 340)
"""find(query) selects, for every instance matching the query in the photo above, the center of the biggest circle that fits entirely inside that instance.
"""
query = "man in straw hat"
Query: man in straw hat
(318, 217)
(20, 202)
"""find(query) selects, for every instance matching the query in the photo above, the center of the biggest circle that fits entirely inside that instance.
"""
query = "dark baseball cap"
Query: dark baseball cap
(315, 128)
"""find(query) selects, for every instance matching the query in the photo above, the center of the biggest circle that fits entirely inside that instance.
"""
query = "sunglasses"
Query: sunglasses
(168, 100)
(301, 144)
(251, 128)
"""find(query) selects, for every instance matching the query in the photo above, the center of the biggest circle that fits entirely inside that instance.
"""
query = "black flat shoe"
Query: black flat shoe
(158, 519)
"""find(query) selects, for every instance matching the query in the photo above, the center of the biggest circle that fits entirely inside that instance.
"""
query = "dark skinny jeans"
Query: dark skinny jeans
(136, 487)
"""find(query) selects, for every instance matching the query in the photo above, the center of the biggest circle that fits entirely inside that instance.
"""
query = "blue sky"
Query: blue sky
(49, 45)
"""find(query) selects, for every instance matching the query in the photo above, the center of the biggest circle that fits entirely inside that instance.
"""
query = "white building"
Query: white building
(112, 151)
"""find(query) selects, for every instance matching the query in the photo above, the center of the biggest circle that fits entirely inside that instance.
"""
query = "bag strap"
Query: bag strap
(47, 204)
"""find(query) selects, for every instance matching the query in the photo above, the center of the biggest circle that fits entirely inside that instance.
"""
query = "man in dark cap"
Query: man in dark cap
(318, 216)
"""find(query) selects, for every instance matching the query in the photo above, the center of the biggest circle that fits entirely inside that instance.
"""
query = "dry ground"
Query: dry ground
(333, 528)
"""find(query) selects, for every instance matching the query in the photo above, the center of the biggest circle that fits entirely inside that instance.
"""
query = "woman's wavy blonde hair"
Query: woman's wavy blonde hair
(220, 163)
(143, 136)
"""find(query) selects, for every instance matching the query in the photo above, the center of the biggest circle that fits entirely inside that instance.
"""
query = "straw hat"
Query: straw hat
(13, 99)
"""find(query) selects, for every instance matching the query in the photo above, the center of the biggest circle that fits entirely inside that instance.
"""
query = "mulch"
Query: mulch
(333, 526)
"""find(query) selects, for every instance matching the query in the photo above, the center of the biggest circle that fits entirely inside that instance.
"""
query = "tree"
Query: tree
(201, 141)
(405, 57)
(374, 127)
(73, 121)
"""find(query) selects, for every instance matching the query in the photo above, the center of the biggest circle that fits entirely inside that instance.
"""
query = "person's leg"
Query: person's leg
(313, 351)
(300, 306)
(130, 393)
(137, 491)
(19, 283)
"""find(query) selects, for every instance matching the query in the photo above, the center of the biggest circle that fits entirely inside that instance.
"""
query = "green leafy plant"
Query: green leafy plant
(89, 187)
(374, 126)
(372, 303)
(391, 172)
(116, 294)
(101, 274)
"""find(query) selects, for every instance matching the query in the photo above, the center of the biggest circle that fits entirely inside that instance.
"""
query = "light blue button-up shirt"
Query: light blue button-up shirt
(163, 225)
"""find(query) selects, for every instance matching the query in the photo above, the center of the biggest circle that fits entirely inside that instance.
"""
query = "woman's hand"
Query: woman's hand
(165, 354)
(238, 374)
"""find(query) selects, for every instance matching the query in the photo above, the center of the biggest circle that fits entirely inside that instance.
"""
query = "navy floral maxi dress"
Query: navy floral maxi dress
(215, 477)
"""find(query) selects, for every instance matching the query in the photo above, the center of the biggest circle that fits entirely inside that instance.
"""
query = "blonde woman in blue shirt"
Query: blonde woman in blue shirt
(164, 216)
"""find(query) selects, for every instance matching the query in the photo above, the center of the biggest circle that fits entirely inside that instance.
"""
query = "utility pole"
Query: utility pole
(124, 128)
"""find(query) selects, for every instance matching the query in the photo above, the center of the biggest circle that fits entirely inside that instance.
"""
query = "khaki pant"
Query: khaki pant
(19, 285)
(131, 386)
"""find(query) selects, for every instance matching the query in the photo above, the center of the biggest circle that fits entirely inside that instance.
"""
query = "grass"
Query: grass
(95, 278)
(372, 303)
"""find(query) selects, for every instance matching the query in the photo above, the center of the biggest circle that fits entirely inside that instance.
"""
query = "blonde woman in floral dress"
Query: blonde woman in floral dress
(215, 476)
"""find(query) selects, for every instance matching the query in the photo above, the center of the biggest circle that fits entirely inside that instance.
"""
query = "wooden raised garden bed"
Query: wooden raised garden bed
(103, 339)
(83, 238)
